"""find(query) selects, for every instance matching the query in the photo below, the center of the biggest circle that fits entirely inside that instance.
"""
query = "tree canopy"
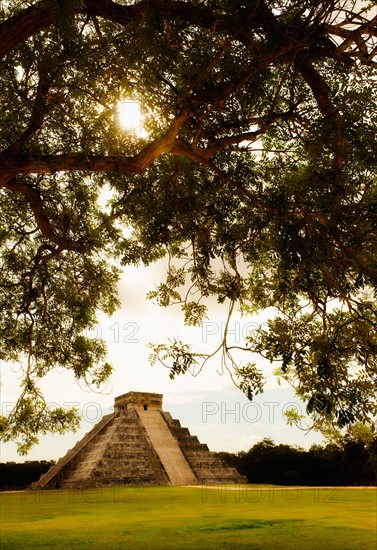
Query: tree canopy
(258, 153)
(351, 461)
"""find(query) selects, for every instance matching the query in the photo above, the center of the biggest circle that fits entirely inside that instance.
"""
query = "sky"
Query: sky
(208, 404)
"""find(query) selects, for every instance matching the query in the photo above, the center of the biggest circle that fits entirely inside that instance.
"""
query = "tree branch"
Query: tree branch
(47, 164)
(182, 148)
(15, 30)
(355, 36)
(35, 201)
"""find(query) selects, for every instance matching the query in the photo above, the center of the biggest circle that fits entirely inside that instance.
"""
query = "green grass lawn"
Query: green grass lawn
(150, 518)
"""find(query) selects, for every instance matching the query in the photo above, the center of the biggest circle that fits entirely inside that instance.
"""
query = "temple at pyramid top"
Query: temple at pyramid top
(138, 400)
(138, 444)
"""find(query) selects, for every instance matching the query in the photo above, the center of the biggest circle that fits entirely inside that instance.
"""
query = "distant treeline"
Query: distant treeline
(14, 475)
(352, 463)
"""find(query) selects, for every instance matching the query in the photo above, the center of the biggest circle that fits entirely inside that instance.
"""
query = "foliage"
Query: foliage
(14, 475)
(351, 462)
(255, 175)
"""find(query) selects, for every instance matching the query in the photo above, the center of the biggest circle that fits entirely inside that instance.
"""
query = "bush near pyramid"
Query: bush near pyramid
(138, 444)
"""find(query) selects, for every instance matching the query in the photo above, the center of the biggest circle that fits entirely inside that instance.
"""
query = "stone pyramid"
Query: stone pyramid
(138, 444)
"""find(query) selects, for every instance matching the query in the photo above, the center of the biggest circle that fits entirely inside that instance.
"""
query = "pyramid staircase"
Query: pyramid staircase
(208, 467)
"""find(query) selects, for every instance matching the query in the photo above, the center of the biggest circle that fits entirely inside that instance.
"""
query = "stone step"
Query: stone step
(52, 476)
(207, 466)
(167, 448)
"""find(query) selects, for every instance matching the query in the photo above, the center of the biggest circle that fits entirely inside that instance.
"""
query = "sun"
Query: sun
(130, 117)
